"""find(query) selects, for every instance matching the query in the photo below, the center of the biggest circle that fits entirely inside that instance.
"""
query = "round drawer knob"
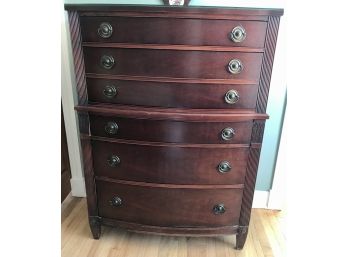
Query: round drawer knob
(238, 34)
(107, 61)
(105, 30)
(227, 133)
(116, 201)
(114, 161)
(111, 128)
(219, 209)
(109, 91)
(224, 167)
(235, 66)
(232, 96)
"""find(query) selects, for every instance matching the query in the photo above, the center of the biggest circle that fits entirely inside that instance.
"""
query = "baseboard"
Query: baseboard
(261, 199)
(78, 188)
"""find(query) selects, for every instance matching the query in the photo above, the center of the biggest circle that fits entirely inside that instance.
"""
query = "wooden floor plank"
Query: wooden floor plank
(254, 237)
(261, 234)
(272, 236)
(265, 239)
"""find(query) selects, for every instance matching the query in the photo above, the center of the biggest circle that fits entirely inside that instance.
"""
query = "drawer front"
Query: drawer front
(169, 164)
(169, 206)
(172, 31)
(173, 63)
(171, 131)
(179, 95)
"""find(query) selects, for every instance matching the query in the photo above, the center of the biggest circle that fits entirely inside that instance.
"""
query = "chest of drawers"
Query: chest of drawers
(171, 107)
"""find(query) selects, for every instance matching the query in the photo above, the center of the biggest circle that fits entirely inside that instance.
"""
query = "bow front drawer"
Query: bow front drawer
(167, 163)
(138, 30)
(171, 94)
(239, 66)
(171, 131)
(176, 206)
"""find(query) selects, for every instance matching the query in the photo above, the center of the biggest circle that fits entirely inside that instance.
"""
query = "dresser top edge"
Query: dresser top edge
(183, 10)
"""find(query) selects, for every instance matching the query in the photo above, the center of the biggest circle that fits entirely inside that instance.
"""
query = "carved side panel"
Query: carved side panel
(89, 176)
(79, 66)
(267, 63)
(251, 173)
(86, 147)
(258, 130)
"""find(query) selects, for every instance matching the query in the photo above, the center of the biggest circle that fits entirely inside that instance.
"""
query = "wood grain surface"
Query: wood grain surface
(173, 31)
(169, 164)
(171, 131)
(173, 63)
(173, 95)
(171, 206)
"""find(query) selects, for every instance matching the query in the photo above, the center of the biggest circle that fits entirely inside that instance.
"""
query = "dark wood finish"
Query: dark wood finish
(79, 66)
(84, 124)
(169, 164)
(146, 143)
(232, 13)
(173, 231)
(65, 163)
(173, 31)
(169, 186)
(172, 63)
(176, 16)
(177, 95)
(171, 131)
(171, 207)
(195, 115)
(166, 79)
(250, 180)
(257, 135)
(267, 64)
(176, 47)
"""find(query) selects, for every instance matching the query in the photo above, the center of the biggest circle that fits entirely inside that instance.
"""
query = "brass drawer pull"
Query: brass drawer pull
(238, 34)
(110, 91)
(219, 209)
(224, 167)
(107, 62)
(111, 128)
(114, 160)
(227, 133)
(116, 201)
(105, 30)
(235, 66)
(232, 96)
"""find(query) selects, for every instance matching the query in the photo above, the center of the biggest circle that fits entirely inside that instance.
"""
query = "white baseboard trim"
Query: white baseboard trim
(276, 200)
(78, 188)
(261, 199)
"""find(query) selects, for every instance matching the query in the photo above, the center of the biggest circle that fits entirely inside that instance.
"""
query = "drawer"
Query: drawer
(170, 206)
(172, 31)
(169, 164)
(171, 131)
(173, 63)
(169, 94)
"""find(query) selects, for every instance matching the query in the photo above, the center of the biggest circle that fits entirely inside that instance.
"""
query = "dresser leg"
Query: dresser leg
(241, 238)
(94, 224)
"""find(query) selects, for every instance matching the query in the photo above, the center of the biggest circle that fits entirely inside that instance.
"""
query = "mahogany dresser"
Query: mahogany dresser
(171, 107)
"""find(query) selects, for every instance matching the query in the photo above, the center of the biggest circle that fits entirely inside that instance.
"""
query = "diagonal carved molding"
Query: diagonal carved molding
(267, 63)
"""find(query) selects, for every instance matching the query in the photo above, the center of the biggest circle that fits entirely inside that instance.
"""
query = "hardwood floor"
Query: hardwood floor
(266, 238)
